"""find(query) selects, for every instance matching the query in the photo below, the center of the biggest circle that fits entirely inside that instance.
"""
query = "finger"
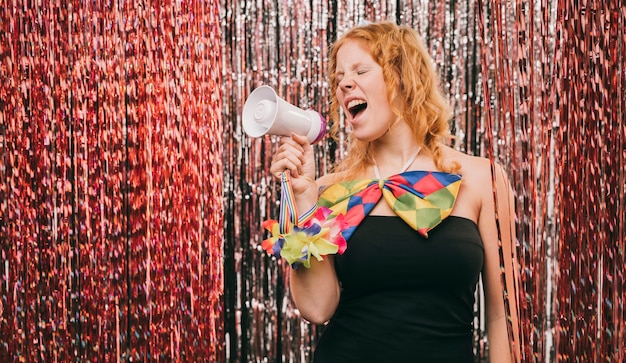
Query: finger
(302, 141)
(289, 157)
(289, 140)
(280, 166)
(290, 148)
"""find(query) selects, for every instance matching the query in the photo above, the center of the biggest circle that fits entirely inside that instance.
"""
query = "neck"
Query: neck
(404, 168)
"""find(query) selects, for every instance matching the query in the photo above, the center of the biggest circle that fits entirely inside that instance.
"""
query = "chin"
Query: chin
(364, 138)
(368, 135)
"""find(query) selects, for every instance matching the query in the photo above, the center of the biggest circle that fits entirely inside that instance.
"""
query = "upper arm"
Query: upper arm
(497, 228)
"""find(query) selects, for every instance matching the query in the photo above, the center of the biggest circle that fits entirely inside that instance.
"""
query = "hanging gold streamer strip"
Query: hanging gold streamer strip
(538, 86)
(111, 209)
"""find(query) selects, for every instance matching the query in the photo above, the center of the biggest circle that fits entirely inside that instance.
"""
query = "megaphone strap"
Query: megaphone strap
(288, 214)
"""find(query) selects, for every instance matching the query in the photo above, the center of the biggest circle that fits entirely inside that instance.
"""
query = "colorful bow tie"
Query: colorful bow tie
(421, 198)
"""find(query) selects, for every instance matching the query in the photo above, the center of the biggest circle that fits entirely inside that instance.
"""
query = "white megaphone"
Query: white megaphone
(266, 113)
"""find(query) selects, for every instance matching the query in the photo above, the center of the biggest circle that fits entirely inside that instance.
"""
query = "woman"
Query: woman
(401, 291)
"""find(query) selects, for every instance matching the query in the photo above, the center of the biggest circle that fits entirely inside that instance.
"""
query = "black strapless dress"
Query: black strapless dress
(405, 298)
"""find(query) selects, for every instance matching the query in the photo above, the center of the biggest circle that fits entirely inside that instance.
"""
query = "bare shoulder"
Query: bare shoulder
(477, 187)
(476, 171)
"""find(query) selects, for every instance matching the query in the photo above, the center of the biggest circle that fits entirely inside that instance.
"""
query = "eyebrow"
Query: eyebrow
(355, 66)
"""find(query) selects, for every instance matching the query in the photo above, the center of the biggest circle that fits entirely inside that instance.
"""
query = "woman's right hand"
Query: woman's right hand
(296, 154)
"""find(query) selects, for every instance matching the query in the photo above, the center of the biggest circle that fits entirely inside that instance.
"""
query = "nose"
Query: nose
(346, 83)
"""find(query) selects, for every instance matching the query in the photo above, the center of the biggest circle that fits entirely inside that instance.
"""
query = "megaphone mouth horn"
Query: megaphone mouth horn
(322, 128)
(264, 113)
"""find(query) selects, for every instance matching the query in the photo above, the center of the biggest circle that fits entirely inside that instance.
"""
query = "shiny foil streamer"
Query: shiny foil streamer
(111, 214)
(536, 86)
(590, 161)
(111, 209)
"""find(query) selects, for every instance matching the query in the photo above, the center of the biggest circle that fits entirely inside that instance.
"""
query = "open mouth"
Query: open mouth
(355, 107)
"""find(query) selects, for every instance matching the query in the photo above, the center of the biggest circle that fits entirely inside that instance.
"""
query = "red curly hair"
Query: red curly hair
(409, 73)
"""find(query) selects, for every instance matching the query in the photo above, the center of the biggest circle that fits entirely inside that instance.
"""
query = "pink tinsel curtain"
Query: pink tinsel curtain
(111, 224)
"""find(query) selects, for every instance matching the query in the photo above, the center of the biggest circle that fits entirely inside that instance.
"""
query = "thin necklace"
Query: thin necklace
(406, 166)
